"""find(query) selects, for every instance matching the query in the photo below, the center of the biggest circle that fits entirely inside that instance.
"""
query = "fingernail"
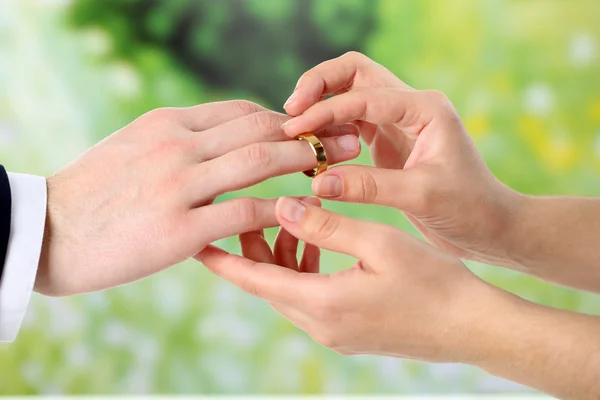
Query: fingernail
(291, 209)
(291, 99)
(311, 200)
(349, 130)
(289, 123)
(329, 186)
(348, 142)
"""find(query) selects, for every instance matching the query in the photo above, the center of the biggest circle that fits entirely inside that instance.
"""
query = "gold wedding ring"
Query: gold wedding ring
(319, 152)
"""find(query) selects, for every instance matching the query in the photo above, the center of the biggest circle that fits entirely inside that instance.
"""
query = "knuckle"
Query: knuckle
(247, 107)
(267, 121)
(368, 189)
(325, 228)
(258, 155)
(440, 100)
(354, 56)
(436, 96)
(246, 209)
(162, 115)
(250, 286)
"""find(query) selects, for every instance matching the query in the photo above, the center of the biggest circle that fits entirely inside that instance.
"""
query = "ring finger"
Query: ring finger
(260, 161)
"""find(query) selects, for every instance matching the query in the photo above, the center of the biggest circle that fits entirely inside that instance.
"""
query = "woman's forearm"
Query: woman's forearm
(557, 239)
(555, 351)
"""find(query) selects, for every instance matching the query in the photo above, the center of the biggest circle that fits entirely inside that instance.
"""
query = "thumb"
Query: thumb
(395, 188)
(325, 229)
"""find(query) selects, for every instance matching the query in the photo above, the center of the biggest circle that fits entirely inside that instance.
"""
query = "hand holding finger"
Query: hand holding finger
(255, 247)
(286, 248)
(332, 231)
(407, 109)
(338, 76)
(261, 126)
(260, 161)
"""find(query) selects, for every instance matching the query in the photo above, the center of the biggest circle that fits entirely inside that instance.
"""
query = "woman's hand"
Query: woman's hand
(404, 298)
(141, 200)
(426, 164)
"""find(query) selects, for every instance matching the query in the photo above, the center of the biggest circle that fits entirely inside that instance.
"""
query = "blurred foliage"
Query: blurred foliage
(524, 76)
(260, 46)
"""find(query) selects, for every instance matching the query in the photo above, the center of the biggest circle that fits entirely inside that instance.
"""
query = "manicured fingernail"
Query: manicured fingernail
(348, 142)
(291, 209)
(291, 99)
(329, 186)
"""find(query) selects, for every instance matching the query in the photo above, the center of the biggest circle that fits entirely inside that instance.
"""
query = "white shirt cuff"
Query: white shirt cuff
(23, 254)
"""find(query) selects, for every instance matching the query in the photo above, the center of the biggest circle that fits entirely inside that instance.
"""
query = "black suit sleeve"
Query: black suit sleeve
(5, 216)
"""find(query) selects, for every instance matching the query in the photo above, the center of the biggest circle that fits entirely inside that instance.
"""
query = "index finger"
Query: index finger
(407, 109)
(267, 281)
(338, 76)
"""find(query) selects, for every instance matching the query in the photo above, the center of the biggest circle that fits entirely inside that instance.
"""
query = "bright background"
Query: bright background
(524, 76)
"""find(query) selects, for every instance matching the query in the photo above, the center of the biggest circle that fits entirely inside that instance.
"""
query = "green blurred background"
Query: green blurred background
(524, 76)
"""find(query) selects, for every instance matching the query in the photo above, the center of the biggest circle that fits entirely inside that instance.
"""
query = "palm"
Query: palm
(388, 145)
(390, 148)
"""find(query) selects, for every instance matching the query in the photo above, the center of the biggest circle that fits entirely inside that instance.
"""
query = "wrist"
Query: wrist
(502, 334)
(548, 349)
(507, 236)
(481, 338)
(43, 276)
(519, 240)
(497, 329)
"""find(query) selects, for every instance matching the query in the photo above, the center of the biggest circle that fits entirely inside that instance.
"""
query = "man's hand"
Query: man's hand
(141, 200)
(404, 298)
(426, 164)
